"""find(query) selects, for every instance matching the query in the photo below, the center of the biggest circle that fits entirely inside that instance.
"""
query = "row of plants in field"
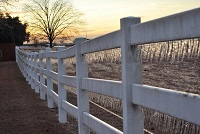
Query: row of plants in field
(172, 50)
(168, 124)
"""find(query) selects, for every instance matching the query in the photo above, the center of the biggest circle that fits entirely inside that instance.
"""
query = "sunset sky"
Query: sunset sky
(103, 16)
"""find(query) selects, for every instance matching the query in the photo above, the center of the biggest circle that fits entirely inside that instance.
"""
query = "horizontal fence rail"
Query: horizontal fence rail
(178, 104)
(105, 87)
(37, 69)
(175, 27)
(105, 42)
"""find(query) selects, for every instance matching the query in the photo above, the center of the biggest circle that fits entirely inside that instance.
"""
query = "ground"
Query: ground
(22, 111)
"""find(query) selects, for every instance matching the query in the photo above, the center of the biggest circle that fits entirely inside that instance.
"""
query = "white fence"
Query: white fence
(130, 90)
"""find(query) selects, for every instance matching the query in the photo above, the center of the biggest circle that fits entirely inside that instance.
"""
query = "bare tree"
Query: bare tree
(53, 18)
(4, 3)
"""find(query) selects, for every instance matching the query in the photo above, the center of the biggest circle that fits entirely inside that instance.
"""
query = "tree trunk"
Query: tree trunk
(51, 43)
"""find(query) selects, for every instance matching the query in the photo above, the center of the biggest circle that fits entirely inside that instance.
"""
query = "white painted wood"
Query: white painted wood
(36, 76)
(131, 73)
(29, 69)
(18, 58)
(82, 98)
(44, 88)
(17, 55)
(22, 58)
(50, 102)
(54, 96)
(43, 71)
(69, 108)
(26, 67)
(42, 80)
(28, 62)
(24, 63)
(68, 80)
(98, 125)
(43, 54)
(32, 55)
(23, 66)
(20, 61)
(67, 53)
(53, 54)
(53, 75)
(105, 42)
(16, 52)
(37, 69)
(32, 73)
(38, 83)
(178, 104)
(106, 87)
(62, 116)
(179, 26)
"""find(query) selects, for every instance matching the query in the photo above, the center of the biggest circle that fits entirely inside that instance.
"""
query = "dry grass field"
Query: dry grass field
(176, 69)
(177, 75)
(182, 76)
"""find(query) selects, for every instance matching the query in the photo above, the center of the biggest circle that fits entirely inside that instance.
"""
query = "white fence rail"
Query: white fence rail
(130, 90)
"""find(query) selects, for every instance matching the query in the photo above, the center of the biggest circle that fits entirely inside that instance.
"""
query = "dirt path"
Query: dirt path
(21, 110)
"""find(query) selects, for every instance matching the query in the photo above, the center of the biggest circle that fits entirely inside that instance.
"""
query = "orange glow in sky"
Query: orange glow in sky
(103, 16)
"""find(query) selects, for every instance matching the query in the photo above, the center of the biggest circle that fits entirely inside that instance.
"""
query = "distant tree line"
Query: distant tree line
(12, 30)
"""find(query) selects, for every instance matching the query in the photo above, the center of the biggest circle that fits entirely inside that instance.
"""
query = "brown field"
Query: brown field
(177, 70)
(182, 76)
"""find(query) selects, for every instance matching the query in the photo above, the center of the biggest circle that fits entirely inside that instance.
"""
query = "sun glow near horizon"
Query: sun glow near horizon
(103, 16)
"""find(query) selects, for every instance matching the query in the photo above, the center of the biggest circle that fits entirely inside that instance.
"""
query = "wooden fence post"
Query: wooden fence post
(21, 61)
(50, 102)
(27, 73)
(18, 57)
(82, 98)
(33, 70)
(30, 68)
(62, 94)
(24, 64)
(36, 73)
(133, 122)
(27, 66)
(16, 54)
(42, 80)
